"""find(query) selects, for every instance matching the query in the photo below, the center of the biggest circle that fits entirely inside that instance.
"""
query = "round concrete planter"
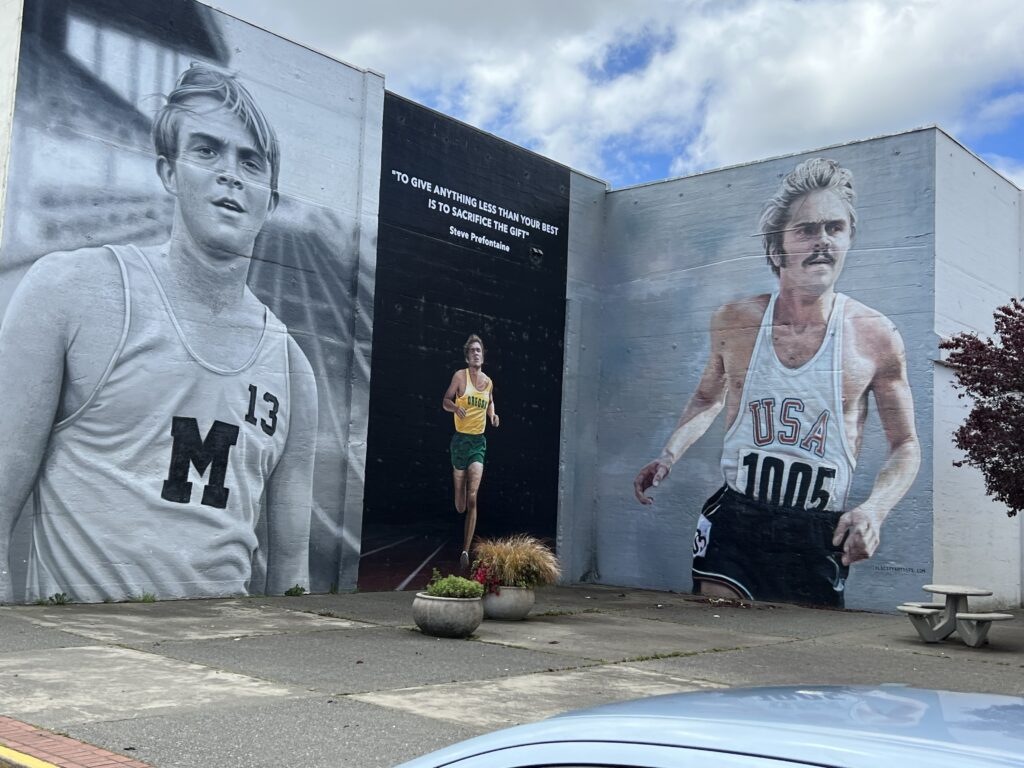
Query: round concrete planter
(509, 604)
(447, 616)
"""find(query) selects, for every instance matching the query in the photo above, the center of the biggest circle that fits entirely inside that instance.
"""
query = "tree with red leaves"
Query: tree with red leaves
(991, 372)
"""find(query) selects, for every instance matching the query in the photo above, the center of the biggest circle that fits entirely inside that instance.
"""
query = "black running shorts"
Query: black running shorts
(767, 552)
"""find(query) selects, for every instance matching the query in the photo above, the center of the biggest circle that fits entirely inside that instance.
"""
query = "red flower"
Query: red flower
(491, 583)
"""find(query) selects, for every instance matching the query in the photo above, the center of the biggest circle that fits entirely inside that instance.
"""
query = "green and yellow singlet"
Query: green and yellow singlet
(475, 402)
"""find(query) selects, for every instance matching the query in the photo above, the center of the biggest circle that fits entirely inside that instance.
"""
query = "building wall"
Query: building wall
(977, 268)
(473, 240)
(578, 455)
(597, 324)
(676, 251)
(10, 26)
(83, 173)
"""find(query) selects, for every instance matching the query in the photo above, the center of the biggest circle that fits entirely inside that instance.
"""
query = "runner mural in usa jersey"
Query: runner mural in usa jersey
(794, 371)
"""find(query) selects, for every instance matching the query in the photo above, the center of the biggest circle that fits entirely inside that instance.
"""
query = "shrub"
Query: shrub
(516, 561)
(453, 586)
(990, 374)
(58, 598)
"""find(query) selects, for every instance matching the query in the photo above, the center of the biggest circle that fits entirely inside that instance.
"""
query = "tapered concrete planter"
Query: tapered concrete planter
(509, 604)
(447, 616)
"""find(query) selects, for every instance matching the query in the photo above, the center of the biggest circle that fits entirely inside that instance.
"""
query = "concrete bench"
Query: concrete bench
(973, 627)
(929, 620)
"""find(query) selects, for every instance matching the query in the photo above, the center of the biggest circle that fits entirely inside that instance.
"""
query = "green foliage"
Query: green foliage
(145, 597)
(990, 372)
(453, 586)
(57, 598)
(516, 561)
(297, 591)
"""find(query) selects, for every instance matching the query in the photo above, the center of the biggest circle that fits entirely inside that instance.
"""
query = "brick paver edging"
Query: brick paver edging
(25, 746)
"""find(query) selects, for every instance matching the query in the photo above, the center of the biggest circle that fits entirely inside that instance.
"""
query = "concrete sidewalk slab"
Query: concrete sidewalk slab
(613, 637)
(355, 661)
(500, 703)
(900, 635)
(321, 731)
(830, 663)
(54, 688)
(18, 633)
(393, 609)
(762, 618)
(140, 623)
(346, 680)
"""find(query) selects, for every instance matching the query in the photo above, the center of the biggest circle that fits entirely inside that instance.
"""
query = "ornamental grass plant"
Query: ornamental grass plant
(515, 561)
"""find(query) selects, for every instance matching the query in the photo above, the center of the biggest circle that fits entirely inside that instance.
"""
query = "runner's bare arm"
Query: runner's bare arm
(33, 339)
(491, 413)
(862, 525)
(458, 382)
(289, 490)
(701, 410)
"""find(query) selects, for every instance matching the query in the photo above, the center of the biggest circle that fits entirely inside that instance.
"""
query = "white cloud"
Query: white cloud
(735, 82)
(1011, 167)
(997, 114)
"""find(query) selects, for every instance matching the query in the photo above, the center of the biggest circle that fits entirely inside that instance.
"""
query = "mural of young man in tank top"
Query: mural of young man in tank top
(155, 407)
(470, 399)
(793, 371)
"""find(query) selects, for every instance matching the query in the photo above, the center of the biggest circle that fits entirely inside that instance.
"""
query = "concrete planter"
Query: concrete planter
(447, 616)
(509, 604)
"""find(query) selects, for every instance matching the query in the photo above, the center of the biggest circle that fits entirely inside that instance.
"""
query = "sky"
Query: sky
(632, 91)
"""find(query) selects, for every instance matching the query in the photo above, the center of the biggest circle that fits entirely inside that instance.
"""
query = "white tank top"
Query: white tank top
(155, 483)
(788, 443)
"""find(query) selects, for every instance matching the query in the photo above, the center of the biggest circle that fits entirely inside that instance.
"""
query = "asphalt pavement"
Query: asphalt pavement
(348, 680)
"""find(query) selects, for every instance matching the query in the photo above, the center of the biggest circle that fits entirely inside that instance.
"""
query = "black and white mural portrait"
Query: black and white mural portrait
(186, 281)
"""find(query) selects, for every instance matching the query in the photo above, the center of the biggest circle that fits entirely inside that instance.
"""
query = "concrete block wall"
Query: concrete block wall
(978, 263)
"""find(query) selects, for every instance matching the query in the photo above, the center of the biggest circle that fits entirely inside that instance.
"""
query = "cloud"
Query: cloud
(698, 83)
(1011, 167)
(998, 114)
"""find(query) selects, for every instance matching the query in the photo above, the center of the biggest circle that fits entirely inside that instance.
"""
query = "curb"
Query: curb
(25, 746)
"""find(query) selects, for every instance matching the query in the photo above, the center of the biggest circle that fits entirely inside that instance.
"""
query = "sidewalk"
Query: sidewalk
(347, 680)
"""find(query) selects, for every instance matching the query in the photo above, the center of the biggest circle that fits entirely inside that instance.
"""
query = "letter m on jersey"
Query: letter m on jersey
(210, 453)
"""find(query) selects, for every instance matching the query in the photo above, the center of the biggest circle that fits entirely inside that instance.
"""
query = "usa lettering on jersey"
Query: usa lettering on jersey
(779, 478)
(789, 430)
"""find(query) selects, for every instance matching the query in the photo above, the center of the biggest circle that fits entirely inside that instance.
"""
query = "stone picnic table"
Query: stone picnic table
(935, 622)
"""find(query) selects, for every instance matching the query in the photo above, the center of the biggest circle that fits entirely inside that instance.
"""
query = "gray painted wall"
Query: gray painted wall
(580, 380)
(10, 38)
(674, 252)
(83, 173)
(977, 268)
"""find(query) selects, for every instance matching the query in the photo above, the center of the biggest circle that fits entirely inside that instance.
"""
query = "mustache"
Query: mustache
(819, 256)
